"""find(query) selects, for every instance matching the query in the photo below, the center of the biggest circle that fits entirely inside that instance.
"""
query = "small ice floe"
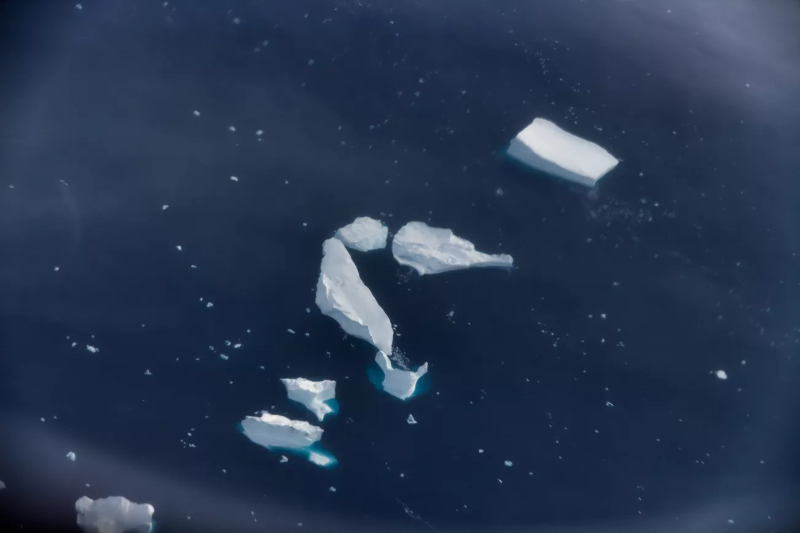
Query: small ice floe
(331, 489)
(147, 372)
(223, 357)
(259, 133)
(232, 128)
(364, 234)
(92, 349)
(78, 7)
(196, 113)
(314, 395)
(284, 459)
(179, 248)
(411, 420)
(210, 305)
(74, 344)
(56, 269)
(165, 207)
(290, 330)
(721, 374)
(71, 456)
(113, 515)
(508, 464)
(234, 178)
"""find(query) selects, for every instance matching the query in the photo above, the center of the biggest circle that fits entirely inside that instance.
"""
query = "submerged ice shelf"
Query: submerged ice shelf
(432, 250)
(343, 296)
(312, 394)
(364, 234)
(546, 147)
(399, 383)
(114, 514)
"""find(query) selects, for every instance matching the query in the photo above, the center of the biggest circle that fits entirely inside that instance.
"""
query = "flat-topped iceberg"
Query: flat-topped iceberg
(364, 234)
(546, 147)
(343, 296)
(399, 383)
(114, 515)
(433, 250)
(312, 394)
(275, 431)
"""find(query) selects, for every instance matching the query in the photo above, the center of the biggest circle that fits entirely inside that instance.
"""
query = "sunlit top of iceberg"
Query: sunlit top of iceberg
(343, 296)
(364, 234)
(433, 250)
(312, 394)
(275, 431)
(321, 460)
(399, 383)
(114, 515)
(546, 147)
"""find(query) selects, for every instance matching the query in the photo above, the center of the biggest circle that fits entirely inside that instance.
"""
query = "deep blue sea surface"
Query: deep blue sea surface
(590, 365)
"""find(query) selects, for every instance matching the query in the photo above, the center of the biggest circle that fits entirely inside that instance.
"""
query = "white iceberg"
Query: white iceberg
(312, 394)
(343, 296)
(399, 383)
(433, 250)
(364, 234)
(114, 515)
(321, 460)
(546, 147)
(275, 431)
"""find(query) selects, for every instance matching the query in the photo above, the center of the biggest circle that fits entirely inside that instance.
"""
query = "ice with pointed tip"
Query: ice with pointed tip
(411, 420)
(343, 296)
(364, 234)
(546, 147)
(284, 459)
(114, 514)
(312, 394)
(432, 250)
(275, 431)
(399, 383)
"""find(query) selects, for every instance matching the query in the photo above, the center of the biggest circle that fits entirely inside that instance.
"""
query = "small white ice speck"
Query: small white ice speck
(147, 372)
(56, 269)
(223, 357)
(310, 61)
(210, 305)
(193, 266)
(92, 348)
(179, 248)
(237, 20)
(164, 207)
(196, 113)
(509, 464)
(78, 7)
(332, 489)
(232, 128)
(234, 178)
(284, 459)
(290, 330)
(71, 456)
(411, 420)
(721, 374)
(480, 450)
(259, 133)
(237, 346)
(74, 344)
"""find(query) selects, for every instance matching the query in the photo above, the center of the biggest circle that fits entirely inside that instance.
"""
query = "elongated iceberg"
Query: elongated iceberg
(433, 250)
(312, 394)
(399, 383)
(275, 431)
(113, 515)
(364, 234)
(546, 147)
(343, 296)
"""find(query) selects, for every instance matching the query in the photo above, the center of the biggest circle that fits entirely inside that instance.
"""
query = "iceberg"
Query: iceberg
(546, 147)
(399, 383)
(433, 250)
(364, 234)
(275, 431)
(114, 515)
(312, 394)
(343, 296)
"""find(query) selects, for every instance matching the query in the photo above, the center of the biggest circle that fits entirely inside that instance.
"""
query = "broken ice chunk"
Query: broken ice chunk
(196, 113)
(284, 459)
(364, 234)
(275, 431)
(433, 250)
(399, 383)
(546, 147)
(721, 374)
(312, 394)
(71, 456)
(343, 296)
(411, 420)
(113, 515)
(321, 460)
(92, 348)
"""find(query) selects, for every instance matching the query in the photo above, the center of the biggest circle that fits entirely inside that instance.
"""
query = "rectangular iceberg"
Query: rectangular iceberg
(546, 147)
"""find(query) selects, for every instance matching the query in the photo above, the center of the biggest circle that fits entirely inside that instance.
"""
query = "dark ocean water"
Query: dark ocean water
(589, 365)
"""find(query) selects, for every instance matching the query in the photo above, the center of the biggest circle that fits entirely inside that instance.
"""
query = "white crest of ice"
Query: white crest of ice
(721, 374)
(71, 456)
(277, 431)
(114, 515)
(312, 394)
(546, 147)
(343, 296)
(433, 250)
(319, 459)
(364, 234)
(399, 383)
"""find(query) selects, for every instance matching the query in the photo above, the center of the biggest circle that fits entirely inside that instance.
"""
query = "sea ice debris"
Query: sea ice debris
(721, 374)
(92, 349)
(275, 431)
(398, 383)
(364, 234)
(432, 250)
(114, 515)
(312, 394)
(546, 147)
(320, 460)
(343, 296)
(411, 421)
(71, 456)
